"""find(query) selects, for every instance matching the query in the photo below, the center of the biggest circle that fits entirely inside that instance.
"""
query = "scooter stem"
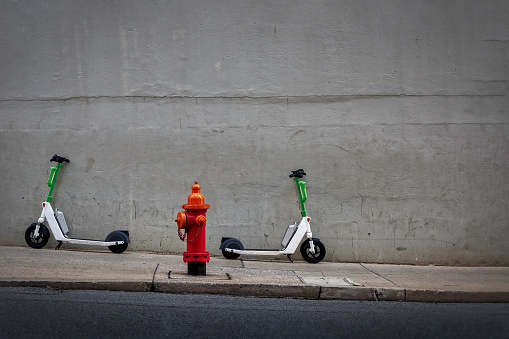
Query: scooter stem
(52, 180)
(301, 188)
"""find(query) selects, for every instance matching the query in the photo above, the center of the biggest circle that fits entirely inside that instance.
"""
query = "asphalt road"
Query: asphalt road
(45, 313)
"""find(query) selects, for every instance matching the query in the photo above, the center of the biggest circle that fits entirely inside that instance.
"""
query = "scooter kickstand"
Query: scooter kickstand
(58, 246)
(289, 257)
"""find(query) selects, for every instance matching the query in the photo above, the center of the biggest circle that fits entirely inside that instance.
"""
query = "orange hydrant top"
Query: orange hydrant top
(195, 200)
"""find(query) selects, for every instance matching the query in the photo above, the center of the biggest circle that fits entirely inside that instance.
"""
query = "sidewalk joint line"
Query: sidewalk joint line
(152, 286)
(300, 278)
(389, 280)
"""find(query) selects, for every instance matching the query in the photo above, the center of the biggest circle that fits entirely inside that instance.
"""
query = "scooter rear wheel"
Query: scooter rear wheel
(41, 240)
(316, 257)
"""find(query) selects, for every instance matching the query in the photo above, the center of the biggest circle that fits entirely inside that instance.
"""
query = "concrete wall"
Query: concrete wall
(397, 110)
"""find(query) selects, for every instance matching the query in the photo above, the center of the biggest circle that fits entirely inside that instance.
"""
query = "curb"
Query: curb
(362, 293)
(412, 295)
(245, 290)
(126, 286)
(313, 292)
(439, 296)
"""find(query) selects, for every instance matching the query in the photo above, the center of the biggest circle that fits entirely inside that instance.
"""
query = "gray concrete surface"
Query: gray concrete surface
(137, 271)
(397, 110)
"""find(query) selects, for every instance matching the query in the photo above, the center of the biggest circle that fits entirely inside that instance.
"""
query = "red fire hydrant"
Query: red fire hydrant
(193, 221)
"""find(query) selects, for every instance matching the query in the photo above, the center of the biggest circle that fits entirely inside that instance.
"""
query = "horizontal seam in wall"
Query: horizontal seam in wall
(300, 98)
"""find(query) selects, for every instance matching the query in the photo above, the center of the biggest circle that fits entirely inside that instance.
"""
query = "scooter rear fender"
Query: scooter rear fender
(223, 241)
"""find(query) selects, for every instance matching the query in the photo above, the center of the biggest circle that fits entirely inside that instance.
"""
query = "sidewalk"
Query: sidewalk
(137, 271)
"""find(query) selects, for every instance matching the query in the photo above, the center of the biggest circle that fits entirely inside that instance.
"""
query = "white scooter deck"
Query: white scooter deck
(303, 229)
(49, 215)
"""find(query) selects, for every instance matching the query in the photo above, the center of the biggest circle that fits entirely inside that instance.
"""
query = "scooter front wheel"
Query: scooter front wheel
(316, 257)
(41, 240)
(118, 236)
(234, 244)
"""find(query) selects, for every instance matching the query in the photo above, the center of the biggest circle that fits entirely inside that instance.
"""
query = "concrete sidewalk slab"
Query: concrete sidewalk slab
(446, 278)
(234, 281)
(325, 272)
(325, 281)
(130, 271)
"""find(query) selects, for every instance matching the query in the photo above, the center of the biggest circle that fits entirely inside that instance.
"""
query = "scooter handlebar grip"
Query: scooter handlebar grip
(59, 159)
(298, 173)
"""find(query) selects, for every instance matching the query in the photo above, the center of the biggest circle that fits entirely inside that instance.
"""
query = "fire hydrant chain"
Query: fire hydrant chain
(183, 236)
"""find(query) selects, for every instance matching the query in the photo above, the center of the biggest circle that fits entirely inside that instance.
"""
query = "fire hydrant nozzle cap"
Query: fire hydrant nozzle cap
(181, 220)
(201, 220)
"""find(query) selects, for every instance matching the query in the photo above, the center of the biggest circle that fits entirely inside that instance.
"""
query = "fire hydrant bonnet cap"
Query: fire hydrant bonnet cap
(196, 200)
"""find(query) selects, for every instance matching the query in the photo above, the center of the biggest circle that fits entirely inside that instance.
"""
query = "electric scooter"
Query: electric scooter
(37, 234)
(312, 249)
